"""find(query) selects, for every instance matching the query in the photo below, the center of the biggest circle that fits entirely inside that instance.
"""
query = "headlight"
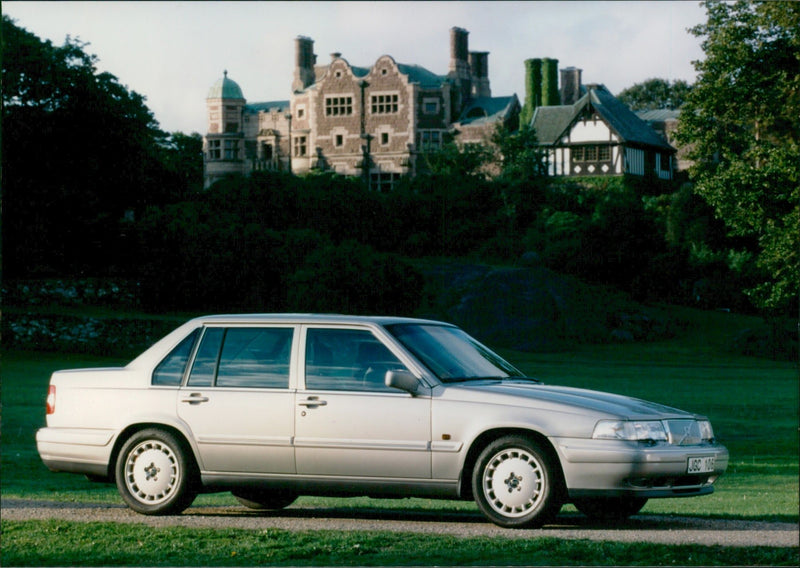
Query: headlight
(706, 431)
(634, 430)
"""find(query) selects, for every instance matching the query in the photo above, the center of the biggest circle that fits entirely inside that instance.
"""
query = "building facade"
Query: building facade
(375, 122)
(591, 133)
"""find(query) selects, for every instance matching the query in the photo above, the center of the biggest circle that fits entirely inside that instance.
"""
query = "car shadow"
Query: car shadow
(562, 521)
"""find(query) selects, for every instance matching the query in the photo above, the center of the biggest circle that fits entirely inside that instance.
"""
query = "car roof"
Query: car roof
(156, 351)
(340, 319)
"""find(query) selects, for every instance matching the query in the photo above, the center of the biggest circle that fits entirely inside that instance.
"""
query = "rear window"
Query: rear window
(169, 372)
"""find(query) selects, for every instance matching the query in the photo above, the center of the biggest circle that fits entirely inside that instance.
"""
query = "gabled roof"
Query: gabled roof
(418, 74)
(553, 122)
(482, 110)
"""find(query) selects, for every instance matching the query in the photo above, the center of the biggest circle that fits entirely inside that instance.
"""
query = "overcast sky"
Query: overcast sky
(172, 52)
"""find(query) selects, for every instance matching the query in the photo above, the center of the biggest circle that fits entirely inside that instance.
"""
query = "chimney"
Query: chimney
(304, 61)
(550, 82)
(459, 52)
(533, 90)
(459, 69)
(479, 67)
(570, 85)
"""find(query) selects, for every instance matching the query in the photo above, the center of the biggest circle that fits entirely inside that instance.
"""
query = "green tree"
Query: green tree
(655, 94)
(80, 151)
(741, 122)
(182, 158)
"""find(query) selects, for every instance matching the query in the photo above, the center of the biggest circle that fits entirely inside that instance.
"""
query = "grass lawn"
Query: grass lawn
(752, 403)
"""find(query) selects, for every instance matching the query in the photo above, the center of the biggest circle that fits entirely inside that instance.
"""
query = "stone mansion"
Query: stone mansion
(378, 122)
(373, 121)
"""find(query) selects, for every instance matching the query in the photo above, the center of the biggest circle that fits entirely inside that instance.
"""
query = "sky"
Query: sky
(173, 52)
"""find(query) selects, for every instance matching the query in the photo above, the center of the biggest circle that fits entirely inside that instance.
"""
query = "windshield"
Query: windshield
(451, 354)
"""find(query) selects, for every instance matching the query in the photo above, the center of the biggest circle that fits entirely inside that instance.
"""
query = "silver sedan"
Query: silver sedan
(271, 407)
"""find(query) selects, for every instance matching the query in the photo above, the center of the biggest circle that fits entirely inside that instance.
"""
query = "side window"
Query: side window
(205, 363)
(255, 357)
(170, 371)
(347, 359)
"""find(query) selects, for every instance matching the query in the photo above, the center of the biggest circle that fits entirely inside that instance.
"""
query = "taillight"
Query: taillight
(51, 399)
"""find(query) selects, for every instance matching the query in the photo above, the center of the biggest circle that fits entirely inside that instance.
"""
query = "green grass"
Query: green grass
(753, 404)
(41, 543)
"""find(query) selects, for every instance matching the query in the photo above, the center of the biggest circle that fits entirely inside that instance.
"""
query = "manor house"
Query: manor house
(376, 122)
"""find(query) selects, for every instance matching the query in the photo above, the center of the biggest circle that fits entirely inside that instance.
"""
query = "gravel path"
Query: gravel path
(649, 528)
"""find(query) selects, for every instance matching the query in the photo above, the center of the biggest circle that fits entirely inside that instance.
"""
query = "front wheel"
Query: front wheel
(515, 483)
(154, 474)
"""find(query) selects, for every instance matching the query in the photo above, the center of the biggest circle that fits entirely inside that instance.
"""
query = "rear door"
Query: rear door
(238, 399)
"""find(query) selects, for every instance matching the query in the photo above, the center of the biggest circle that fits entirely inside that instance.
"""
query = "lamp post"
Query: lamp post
(288, 117)
(365, 149)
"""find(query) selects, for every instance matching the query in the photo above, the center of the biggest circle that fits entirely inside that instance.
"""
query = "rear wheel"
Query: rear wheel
(264, 500)
(515, 484)
(610, 508)
(154, 474)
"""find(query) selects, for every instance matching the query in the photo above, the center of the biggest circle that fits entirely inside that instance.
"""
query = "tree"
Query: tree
(741, 122)
(655, 94)
(80, 150)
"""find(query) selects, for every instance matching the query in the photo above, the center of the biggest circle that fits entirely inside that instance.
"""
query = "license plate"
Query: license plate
(701, 465)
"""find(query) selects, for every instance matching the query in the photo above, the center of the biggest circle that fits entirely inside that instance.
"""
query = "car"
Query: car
(271, 407)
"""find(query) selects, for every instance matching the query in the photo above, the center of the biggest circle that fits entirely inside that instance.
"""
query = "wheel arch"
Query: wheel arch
(489, 436)
(132, 429)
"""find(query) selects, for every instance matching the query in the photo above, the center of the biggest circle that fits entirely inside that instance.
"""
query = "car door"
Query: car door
(348, 423)
(237, 399)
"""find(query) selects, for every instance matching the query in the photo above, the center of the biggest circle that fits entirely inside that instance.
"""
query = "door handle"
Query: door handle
(195, 398)
(313, 401)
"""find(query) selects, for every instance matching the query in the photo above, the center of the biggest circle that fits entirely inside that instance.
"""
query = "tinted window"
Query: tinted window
(347, 359)
(170, 371)
(255, 357)
(205, 363)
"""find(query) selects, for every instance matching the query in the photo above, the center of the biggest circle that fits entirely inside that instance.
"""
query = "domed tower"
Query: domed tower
(223, 144)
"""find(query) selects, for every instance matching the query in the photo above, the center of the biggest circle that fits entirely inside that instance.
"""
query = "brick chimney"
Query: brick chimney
(570, 85)
(459, 69)
(479, 68)
(304, 61)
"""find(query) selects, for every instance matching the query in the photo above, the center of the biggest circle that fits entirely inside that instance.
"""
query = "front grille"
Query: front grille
(683, 432)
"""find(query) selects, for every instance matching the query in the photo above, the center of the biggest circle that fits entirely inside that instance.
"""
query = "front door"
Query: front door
(347, 421)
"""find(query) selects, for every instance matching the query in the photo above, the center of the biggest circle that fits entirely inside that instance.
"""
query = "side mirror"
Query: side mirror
(402, 380)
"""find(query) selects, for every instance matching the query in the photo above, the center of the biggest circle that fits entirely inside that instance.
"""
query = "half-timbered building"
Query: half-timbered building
(597, 135)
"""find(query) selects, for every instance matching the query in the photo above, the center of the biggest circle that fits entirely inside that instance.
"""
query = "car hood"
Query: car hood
(537, 395)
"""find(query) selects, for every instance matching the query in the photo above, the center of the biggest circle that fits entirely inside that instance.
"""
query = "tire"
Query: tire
(154, 473)
(264, 500)
(610, 508)
(515, 483)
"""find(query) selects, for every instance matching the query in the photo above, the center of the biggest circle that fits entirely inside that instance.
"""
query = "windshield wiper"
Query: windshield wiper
(471, 379)
(525, 379)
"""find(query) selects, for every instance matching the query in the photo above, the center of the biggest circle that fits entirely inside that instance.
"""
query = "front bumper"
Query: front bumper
(610, 468)
(75, 450)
